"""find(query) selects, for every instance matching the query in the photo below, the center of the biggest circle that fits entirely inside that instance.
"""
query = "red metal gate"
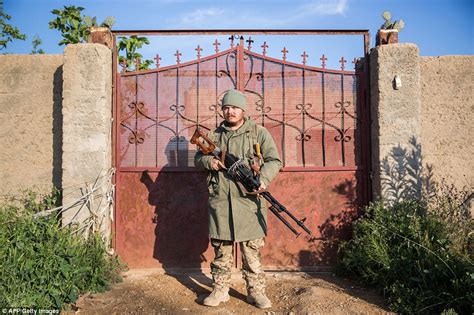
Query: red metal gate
(317, 116)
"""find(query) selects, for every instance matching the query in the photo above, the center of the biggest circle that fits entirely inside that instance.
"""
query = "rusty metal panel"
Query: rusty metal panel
(328, 201)
(162, 222)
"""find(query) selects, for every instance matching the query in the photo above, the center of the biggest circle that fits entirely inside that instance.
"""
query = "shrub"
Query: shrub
(43, 265)
(418, 254)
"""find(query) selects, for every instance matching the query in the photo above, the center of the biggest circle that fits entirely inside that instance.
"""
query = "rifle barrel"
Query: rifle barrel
(278, 207)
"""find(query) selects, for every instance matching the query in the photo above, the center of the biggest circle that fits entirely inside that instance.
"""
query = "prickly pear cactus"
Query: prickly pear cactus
(389, 24)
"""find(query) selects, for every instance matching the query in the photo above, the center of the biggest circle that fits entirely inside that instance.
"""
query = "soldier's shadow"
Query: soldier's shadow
(181, 218)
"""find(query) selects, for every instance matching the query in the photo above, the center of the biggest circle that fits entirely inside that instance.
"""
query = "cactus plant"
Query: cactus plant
(108, 22)
(389, 24)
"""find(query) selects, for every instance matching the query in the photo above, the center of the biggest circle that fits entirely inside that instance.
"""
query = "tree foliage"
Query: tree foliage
(36, 42)
(8, 32)
(130, 45)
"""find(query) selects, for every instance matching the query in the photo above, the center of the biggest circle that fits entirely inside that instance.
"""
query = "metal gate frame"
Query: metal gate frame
(363, 91)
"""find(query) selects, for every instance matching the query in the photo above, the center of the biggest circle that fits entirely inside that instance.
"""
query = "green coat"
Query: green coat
(232, 214)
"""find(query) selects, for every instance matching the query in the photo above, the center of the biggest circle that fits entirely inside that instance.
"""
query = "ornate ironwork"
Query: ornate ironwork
(217, 44)
(342, 61)
(305, 56)
(301, 117)
(323, 61)
(178, 54)
(198, 49)
(264, 46)
(157, 60)
(250, 41)
(284, 51)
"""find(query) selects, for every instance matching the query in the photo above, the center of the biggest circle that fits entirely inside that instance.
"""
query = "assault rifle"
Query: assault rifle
(244, 176)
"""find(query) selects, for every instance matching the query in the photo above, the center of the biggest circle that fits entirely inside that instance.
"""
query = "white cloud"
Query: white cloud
(281, 16)
(202, 16)
(324, 7)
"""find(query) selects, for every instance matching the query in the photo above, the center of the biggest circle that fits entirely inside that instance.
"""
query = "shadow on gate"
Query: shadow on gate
(181, 218)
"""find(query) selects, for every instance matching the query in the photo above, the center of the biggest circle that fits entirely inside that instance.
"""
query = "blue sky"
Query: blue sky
(438, 27)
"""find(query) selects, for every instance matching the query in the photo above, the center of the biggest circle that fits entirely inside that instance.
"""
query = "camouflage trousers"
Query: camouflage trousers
(252, 272)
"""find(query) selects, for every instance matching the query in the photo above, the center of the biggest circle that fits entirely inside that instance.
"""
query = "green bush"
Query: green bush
(43, 265)
(419, 255)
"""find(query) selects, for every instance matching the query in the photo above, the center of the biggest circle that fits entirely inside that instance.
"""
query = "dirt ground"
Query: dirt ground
(152, 292)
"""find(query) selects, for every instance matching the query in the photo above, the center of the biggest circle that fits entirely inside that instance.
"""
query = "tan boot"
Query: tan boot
(259, 299)
(218, 295)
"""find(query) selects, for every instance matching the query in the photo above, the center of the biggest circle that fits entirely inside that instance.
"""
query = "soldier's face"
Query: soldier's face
(233, 115)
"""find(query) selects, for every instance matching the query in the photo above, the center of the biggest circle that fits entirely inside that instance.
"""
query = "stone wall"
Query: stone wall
(447, 120)
(31, 119)
(56, 113)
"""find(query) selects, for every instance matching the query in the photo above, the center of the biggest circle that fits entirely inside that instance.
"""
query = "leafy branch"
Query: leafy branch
(36, 42)
(8, 32)
(130, 45)
(73, 26)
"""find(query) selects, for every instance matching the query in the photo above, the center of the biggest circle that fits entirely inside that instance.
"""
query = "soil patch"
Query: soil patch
(148, 292)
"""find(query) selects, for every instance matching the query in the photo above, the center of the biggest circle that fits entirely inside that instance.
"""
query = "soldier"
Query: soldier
(235, 217)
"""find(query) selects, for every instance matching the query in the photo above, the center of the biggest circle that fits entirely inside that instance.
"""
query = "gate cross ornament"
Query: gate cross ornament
(323, 59)
(342, 61)
(304, 55)
(178, 54)
(250, 41)
(157, 59)
(284, 51)
(217, 44)
(198, 49)
(264, 46)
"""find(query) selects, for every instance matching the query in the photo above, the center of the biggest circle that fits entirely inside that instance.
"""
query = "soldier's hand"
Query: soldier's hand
(262, 186)
(217, 164)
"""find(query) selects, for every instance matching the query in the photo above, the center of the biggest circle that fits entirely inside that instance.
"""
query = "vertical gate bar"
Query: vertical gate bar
(136, 115)
(114, 139)
(263, 91)
(240, 66)
(197, 91)
(366, 43)
(240, 83)
(157, 86)
(323, 130)
(217, 95)
(303, 135)
(176, 157)
(114, 101)
(342, 118)
(283, 114)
